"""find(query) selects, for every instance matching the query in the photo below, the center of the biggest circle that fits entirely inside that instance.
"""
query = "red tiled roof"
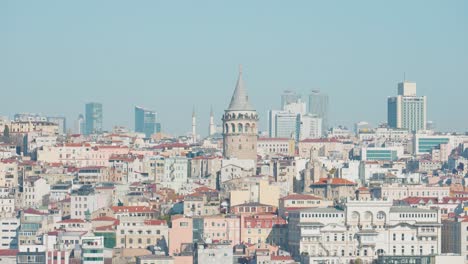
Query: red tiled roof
(205, 189)
(281, 258)
(105, 228)
(53, 233)
(155, 222)
(8, 252)
(333, 181)
(33, 211)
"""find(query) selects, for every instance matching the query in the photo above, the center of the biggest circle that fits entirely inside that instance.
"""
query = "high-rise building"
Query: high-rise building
(60, 121)
(93, 115)
(240, 125)
(145, 121)
(287, 123)
(288, 97)
(406, 110)
(310, 126)
(80, 125)
(318, 105)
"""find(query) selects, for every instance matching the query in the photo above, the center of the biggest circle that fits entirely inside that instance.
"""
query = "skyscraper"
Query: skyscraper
(240, 125)
(93, 118)
(80, 125)
(318, 106)
(286, 123)
(406, 110)
(60, 121)
(288, 97)
(145, 121)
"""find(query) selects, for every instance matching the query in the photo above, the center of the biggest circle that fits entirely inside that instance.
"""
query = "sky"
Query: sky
(172, 56)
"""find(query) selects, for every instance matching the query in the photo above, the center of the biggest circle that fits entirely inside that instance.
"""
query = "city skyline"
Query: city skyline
(79, 61)
(340, 138)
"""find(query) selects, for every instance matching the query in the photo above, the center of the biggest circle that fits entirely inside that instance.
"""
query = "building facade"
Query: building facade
(145, 121)
(318, 105)
(93, 118)
(365, 230)
(406, 110)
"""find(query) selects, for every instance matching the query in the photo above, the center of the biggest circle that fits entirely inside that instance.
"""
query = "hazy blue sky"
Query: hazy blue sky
(171, 55)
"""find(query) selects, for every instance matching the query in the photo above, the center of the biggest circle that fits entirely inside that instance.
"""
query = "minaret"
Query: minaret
(240, 125)
(194, 126)
(212, 128)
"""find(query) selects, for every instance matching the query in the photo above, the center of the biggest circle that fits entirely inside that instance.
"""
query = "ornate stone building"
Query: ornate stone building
(240, 126)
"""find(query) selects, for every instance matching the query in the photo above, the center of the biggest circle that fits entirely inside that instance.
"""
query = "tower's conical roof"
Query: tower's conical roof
(240, 100)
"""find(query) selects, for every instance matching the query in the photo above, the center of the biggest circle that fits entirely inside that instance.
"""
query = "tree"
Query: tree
(6, 134)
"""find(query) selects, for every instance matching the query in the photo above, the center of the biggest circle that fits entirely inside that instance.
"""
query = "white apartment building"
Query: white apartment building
(8, 174)
(365, 230)
(86, 200)
(176, 173)
(8, 232)
(7, 202)
(398, 192)
(310, 126)
(34, 190)
(272, 146)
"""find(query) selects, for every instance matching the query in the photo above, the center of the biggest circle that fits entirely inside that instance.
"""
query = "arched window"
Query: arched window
(247, 128)
(253, 128)
(226, 128)
(240, 128)
(233, 128)
(380, 215)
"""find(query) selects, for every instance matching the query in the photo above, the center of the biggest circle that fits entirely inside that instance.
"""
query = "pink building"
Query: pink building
(180, 233)
(222, 228)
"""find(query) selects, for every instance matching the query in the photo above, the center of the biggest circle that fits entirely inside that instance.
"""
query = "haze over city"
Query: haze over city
(243, 132)
(173, 56)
